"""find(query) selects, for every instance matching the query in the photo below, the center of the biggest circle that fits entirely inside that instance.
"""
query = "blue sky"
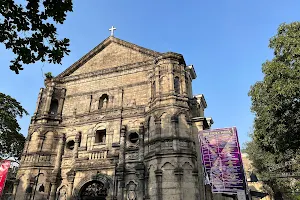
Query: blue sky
(225, 40)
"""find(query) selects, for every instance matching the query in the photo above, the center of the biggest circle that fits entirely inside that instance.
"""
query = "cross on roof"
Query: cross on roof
(112, 30)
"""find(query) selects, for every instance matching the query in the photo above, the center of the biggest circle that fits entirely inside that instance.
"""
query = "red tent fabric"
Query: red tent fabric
(3, 173)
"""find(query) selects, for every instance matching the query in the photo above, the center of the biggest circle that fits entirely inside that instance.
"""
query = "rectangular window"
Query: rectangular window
(100, 136)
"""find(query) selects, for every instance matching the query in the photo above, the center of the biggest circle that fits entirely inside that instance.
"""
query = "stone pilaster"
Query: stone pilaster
(150, 99)
(146, 185)
(174, 122)
(158, 175)
(53, 181)
(57, 166)
(61, 102)
(199, 123)
(70, 177)
(121, 166)
(89, 139)
(122, 146)
(141, 142)
(38, 101)
(195, 176)
(157, 85)
(167, 64)
(41, 141)
(53, 191)
(141, 178)
(70, 190)
(93, 138)
(179, 173)
(16, 184)
(121, 186)
(77, 141)
(60, 149)
(120, 97)
(183, 84)
(26, 144)
(48, 99)
(171, 79)
(189, 84)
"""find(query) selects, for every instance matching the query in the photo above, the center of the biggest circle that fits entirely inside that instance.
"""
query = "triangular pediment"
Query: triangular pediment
(112, 52)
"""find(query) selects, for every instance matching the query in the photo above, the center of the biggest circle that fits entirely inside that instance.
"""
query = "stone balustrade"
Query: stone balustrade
(35, 158)
(98, 155)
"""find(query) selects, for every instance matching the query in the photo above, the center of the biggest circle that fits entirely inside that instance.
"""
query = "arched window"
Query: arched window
(42, 188)
(103, 101)
(177, 85)
(53, 107)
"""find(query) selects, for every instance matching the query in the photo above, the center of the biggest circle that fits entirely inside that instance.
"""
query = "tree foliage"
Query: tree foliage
(48, 75)
(29, 30)
(276, 99)
(276, 104)
(11, 140)
(269, 169)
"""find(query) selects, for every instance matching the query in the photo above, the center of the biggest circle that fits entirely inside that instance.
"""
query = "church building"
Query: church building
(121, 123)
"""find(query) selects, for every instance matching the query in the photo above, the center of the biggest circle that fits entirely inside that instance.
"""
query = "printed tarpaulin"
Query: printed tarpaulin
(221, 158)
(3, 174)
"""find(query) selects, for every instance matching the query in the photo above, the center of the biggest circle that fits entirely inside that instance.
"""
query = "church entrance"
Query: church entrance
(94, 190)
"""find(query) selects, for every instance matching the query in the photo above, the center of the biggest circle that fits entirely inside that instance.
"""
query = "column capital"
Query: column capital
(195, 172)
(178, 171)
(71, 176)
(62, 137)
(141, 127)
(200, 121)
(41, 136)
(158, 172)
(123, 131)
(77, 137)
(157, 121)
(146, 175)
(53, 177)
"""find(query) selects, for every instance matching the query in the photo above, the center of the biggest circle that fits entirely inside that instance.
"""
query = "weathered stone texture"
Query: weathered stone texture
(111, 56)
(121, 121)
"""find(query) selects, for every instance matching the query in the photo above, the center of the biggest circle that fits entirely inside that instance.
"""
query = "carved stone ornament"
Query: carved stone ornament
(131, 194)
(94, 189)
(62, 194)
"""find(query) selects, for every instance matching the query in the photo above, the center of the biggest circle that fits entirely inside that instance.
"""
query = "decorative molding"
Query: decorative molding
(100, 47)
(117, 71)
(110, 115)
(106, 90)
(106, 180)
(167, 138)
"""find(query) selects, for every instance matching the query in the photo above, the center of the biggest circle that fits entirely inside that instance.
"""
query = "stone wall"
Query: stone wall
(118, 89)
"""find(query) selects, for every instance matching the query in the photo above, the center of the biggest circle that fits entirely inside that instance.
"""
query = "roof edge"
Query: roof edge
(100, 47)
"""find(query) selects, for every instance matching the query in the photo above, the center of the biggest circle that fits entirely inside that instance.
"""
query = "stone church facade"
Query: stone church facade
(120, 123)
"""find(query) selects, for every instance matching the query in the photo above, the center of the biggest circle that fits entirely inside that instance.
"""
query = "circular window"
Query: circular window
(70, 144)
(133, 137)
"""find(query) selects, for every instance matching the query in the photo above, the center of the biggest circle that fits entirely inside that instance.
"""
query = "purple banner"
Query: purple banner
(221, 158)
